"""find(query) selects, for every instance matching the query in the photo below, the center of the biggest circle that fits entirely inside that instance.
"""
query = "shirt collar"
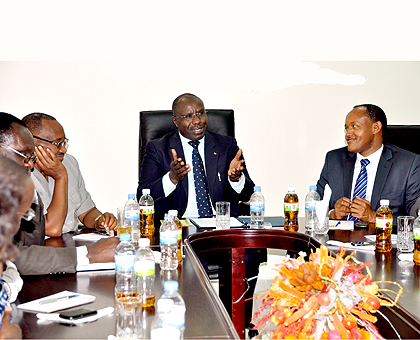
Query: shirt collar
(373, 158)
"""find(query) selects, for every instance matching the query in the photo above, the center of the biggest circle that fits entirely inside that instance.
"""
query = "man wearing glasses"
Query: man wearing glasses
(58, 180)
(170, 164)
(34, 257)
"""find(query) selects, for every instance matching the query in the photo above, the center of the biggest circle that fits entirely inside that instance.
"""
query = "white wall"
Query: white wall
(106, 61)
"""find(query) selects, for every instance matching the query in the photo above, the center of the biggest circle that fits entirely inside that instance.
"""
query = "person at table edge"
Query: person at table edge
(17, 143)
(392, 173)
(167, 165)
(59, 182)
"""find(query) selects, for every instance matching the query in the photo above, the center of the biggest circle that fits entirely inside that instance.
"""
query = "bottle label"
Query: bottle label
(416, 234)
(124, 262)
(169, 237)
(147, 209)
(144, 268)
(291, 207)
(132, 215)
(179, 234)
(310, 206)
(384, 223)
(257, 206)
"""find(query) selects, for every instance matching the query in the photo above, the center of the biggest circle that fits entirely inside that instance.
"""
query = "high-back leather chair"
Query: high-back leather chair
(404, 136)
(156, 124)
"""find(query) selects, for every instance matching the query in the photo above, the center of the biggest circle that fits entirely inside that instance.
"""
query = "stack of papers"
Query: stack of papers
(56, 302)
(372, 238)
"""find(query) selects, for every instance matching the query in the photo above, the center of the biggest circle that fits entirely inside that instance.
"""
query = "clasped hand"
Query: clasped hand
(359, 208)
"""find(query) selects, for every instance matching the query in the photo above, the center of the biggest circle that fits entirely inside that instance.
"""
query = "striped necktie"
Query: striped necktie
(200, 182)
(361, 185)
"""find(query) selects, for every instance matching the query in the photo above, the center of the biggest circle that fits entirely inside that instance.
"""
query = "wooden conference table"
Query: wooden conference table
(206, 316)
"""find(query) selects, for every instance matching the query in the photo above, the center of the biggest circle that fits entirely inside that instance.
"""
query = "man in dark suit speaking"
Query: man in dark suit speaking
(191, 169)
(366, 171)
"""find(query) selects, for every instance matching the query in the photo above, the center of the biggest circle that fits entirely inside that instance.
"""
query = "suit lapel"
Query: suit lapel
(348, 165)
(384, 166)
(175, 143)
(211, 154)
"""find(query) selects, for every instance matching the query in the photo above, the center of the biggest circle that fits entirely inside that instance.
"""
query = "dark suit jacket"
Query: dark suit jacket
(219, 152)
(36, 259)
(397, 178)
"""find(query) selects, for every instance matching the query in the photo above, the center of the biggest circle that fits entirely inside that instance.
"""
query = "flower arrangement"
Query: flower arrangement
(325, 298)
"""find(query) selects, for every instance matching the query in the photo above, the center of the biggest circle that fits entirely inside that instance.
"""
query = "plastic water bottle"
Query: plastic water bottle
(162, 326)
(124, 265)
(147, 214)
(168, 244)
(178, 310)
(291, 210)
(144, 271)
(132, 218)
(310, 215)
(174, 213)
(257, 208)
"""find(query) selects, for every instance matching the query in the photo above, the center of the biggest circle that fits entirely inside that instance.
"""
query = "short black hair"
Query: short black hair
(13, 185)
(6, 121)
(375, 114)
(34, 121)
(180, 97)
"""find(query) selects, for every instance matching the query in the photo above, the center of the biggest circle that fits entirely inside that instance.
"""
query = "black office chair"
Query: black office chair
(404, 136)
(156, 124)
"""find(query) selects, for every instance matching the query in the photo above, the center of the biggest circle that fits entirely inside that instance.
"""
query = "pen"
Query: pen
(218, 174)
(337, 224)
(43, 302)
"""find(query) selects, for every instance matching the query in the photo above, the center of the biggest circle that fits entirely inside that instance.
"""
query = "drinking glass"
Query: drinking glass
(405, 239)
(129, 318)
(222, 215)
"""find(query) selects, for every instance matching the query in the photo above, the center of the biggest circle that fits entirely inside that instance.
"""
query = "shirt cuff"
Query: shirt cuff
(238, 186)
(82, 259)
(168, 186)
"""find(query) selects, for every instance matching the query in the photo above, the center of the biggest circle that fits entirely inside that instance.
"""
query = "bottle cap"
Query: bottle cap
(257, 188)
(125, 237)
(170, 286)
(312, 187)
(131, 196)
(145, 191)
(144, 242)
(384, 202)
(291, 189)
(173, 212)
(165, 305)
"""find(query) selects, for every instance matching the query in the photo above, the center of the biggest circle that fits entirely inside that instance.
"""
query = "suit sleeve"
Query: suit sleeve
(412, 198)
(151, 173)
(40, 260)
(323, 178)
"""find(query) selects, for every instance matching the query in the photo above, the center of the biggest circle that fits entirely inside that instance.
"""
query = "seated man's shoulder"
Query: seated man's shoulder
(218, 138)
(340, 152)
(402, 154)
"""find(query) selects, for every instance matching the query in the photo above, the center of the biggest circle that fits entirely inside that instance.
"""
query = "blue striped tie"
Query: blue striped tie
(200, 182)
(361, 185)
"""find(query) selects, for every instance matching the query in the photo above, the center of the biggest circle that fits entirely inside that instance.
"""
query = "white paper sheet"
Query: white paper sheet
(210, 223)
(341, 225)
(55, 317)
(36, 306)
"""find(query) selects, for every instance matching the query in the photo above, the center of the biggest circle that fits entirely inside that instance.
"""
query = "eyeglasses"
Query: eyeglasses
(27, 159)
(29, 215)
(190, 116)
(64, 143)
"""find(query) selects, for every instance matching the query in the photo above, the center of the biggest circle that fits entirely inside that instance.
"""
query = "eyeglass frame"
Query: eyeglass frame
(29, 215)
(199, 115)
(64, 143)
(27, 159)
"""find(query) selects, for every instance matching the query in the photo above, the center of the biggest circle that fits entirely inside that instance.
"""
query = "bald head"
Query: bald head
(185, 98)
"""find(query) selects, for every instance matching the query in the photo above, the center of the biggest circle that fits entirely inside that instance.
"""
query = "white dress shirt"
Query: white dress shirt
(371, 169)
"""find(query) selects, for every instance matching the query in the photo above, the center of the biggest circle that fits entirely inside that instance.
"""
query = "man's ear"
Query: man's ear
(377, 127)
(174, 120)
